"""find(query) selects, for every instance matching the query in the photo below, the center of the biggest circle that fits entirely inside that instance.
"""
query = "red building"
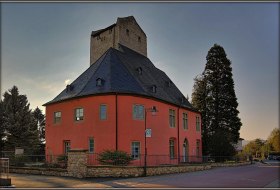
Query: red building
(119, 97)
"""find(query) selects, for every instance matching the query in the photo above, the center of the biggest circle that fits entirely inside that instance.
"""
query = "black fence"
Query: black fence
(157, 160)
(45, 161)
(60, 161)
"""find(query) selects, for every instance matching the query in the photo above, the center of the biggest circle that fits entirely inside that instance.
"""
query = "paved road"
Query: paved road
(256, 175)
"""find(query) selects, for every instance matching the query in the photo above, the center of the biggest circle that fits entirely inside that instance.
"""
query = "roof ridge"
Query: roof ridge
(127, 69)
(104, 55)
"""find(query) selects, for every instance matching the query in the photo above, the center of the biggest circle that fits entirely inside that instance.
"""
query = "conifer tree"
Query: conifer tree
(214, 95)
(2, 129)
(19, 122)
(40, 120)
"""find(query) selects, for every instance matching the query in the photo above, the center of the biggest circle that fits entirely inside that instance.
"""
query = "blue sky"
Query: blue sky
(46, 44)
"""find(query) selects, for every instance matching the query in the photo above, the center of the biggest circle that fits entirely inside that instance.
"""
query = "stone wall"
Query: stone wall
(229, 164)
(159, 170)
(39, 171)
(114, 171)
(77, 163)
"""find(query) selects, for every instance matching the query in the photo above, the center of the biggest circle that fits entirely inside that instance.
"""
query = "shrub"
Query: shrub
(114, 157)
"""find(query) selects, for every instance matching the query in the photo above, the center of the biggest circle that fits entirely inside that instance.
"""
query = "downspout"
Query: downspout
(178, 116)
(116, 99)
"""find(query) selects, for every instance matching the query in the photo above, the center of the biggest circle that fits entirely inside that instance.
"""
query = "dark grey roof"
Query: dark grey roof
(119, 72)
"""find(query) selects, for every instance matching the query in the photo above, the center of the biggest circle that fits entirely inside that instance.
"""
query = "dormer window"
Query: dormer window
(99, 82)
(139, 70)
(169, 83)
(127, 32)
(154, 89)
(182, 100)
(69, 88)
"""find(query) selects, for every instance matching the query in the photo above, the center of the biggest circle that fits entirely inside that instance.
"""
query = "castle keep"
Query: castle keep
(123, 102)
(125, 31)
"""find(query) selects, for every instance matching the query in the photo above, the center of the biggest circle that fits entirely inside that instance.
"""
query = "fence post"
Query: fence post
(77, 163)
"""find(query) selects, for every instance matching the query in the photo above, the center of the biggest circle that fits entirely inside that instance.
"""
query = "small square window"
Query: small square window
(79, 114)
(197, 123)
(135, 150)
(67, 146)
(172, 118)
(138, 112)
(57, 117)
(103, 112)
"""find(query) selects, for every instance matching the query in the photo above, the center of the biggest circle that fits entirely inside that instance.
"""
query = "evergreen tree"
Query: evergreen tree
(19, 122)
(214, 96)
(2, 129)
(40, 120)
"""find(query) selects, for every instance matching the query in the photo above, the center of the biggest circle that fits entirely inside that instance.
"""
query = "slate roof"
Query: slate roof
(119, 72)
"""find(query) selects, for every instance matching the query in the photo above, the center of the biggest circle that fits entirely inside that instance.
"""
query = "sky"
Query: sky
(46, 45)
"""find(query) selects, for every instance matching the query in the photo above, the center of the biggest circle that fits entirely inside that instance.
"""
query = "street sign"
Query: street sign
(148, 132)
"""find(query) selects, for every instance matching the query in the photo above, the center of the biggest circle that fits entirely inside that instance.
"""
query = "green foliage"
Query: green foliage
(2, 127)
(40, 120)
(257, 148)
(274, 139)
(114, 157)
(19, 124)
(214, 96)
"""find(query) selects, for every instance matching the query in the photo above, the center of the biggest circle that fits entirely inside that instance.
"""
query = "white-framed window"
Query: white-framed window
(172, 148)
(138, 111)
(135, 150)
(66, 146)
(57, 117)
(103, 112)
(185, 121)
(172, 118)
(197, 123)
(91, 145)
(79, 114)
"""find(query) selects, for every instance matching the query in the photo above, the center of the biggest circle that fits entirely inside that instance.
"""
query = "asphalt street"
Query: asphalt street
(257, 175)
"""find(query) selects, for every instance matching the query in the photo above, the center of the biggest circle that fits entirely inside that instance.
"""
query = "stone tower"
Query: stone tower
(125, 31)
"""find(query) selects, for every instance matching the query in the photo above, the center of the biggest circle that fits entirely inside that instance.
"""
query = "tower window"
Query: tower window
(127, 32)
(139, 39)
(98, 37)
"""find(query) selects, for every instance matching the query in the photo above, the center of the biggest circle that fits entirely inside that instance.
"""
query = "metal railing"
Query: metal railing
(45, 161)
(157, 160)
